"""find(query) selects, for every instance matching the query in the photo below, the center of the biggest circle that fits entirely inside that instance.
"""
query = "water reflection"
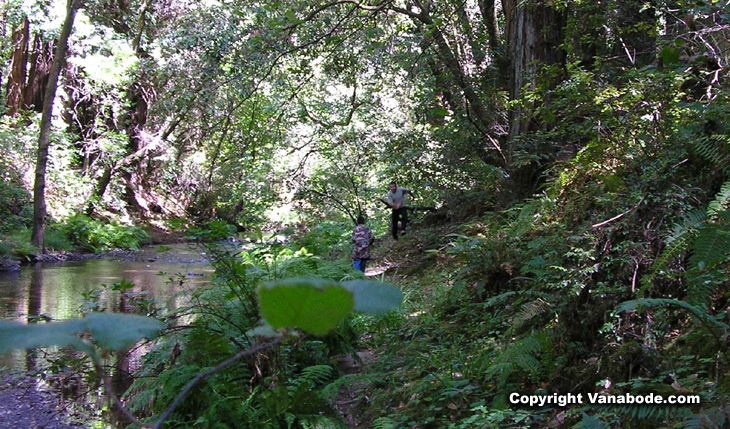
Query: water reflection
(53, 291)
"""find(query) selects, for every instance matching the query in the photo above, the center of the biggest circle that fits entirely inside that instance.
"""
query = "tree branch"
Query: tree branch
(208, 373)
(353, 102)
(606, 222)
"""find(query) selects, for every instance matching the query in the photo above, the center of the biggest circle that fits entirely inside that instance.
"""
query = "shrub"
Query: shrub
(97, 236)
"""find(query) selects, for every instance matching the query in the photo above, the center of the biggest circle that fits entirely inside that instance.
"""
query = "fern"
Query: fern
(331, 390)
(644, 412)
(715, 150)
(641, 411)
(532, 310)
(721, 202)
(713, 418)
(499, 299)
(681, 238)
(589, 422)
(521, 355)
(316, 375)
(385, 423)
(705, 234)
(707, 319)
(320, 422)
(711, 246)
(509, 297)
(699, 313)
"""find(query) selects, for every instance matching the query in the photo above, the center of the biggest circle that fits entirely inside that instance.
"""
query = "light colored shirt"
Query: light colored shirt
(397, 197)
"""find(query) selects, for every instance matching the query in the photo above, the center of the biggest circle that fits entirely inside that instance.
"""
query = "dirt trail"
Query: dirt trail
(353, 396)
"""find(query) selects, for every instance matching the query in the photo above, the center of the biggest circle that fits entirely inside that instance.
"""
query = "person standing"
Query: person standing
(363, 238)
(396, 200)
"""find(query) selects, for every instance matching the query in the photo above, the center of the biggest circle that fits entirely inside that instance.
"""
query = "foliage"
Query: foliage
(286, 383)
(98, 236)
(313, 307)
(601, 179)
(15, 201)
(109, 331)
(211, 231)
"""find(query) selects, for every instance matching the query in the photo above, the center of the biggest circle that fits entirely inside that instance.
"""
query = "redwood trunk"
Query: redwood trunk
(40, 69)
(534, 35)
(18, 71)
(534, 32)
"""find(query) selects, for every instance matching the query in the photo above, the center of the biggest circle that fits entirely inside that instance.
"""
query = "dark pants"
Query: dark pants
(359, 264)
(402, 215)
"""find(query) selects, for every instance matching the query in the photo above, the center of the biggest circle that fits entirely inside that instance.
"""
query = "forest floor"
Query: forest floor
(354, 395)
(392, 261)
(26, 404)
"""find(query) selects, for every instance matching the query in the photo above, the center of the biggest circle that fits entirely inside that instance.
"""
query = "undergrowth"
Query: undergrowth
(613, 280)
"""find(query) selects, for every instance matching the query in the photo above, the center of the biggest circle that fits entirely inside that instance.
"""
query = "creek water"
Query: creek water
(55, 290)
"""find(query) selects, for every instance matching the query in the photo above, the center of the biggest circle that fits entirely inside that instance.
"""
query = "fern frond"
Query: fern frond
(589, 422)
(319, 422)
(649, 411)
(640, 411)
(331, 390)
(702, 289)
(699, 313)
(714, 150)
(721, 202)
(713, 418)
(531, 310)
(508, 297)
(499, 299)
(316, 375)
(711, 246)
(681, 238)
(522, 355)
(385, 423)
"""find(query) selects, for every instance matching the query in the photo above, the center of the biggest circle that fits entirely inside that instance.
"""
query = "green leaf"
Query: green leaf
(116, 331)
(589, 422)
(669, 55)
(111, 331)
(313, 305)
(374, 297)
(18, 336)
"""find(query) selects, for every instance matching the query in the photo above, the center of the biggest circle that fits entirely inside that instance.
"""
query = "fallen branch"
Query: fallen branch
(186, 390)
(606, 222)
(210, 372)
(412, 208)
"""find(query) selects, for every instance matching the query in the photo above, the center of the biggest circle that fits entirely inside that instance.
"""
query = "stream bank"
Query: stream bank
(54, 290)
(24, 403)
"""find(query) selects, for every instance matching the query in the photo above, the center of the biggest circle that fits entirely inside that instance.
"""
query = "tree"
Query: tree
(39, 188)
(18, 69)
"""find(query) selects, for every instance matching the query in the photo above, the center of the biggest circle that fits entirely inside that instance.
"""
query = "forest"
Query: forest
(567, 257)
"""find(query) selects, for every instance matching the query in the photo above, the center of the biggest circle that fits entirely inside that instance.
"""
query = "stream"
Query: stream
(54, 291)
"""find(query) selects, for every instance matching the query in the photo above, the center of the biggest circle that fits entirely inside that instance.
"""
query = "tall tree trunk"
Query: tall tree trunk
(487, 9)
(138, 97)
(3, 29)
(18, 71)
(39, 188)
(534, 32)
(41, 59)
